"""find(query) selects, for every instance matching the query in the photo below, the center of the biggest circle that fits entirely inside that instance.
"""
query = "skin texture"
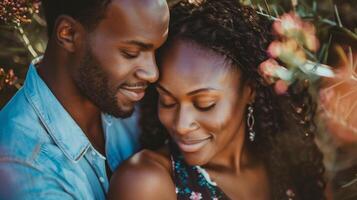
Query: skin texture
(202, 105)
(284, 133)
(108, 68)
(206, 107)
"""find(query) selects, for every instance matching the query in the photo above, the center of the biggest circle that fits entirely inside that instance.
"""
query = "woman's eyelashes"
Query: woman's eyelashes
(204, 106)
(167, 102)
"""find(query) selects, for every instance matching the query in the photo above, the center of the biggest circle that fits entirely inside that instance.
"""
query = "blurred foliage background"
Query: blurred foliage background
(23, 37)
(23, 31)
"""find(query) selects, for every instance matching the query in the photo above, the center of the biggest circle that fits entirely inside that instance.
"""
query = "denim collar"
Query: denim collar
(61, 127)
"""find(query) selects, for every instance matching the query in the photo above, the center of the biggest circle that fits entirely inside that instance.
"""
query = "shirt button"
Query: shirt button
(101, 179)
(93, 153)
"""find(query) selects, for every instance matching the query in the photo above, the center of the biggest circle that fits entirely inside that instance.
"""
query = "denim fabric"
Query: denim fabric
(45, 155)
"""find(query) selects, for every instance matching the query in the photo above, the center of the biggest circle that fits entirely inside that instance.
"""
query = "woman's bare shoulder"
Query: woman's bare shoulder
(146, 175)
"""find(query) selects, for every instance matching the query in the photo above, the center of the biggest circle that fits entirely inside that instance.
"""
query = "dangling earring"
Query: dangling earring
(250, 123)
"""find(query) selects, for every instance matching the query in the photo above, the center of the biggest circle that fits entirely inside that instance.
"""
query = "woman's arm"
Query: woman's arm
(142, 177)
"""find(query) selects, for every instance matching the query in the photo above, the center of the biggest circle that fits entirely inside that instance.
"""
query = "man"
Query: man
(64, 132)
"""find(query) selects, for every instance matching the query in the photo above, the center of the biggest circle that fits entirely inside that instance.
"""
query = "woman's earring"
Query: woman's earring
(250, 123)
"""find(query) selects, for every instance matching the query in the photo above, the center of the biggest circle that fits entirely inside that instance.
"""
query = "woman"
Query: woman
(217, 129)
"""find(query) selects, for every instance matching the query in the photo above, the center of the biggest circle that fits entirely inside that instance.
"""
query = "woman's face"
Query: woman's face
(201, 102)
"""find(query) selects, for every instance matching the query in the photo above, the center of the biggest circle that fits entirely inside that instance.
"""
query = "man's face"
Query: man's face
(118, 60)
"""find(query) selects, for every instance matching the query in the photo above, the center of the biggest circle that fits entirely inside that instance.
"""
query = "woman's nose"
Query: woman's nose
(185, 122)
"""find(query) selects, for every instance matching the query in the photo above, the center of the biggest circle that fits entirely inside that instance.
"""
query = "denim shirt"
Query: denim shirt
(44, 154)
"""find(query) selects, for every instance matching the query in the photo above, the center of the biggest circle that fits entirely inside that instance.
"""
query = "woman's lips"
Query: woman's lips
(190, 146)
(134, 94)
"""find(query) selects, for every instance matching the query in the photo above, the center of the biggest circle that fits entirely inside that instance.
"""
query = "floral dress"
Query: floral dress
(193, 182)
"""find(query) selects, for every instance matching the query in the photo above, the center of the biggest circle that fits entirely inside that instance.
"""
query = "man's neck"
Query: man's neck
(55, 74)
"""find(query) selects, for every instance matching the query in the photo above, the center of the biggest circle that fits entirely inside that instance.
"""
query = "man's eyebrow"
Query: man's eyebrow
(142, 45)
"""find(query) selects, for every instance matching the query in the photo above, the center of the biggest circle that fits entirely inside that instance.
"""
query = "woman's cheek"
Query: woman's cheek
(166, 117)
(218, 119)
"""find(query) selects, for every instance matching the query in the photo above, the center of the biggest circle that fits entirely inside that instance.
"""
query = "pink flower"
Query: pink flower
(267, 70)
(281, 87)
(309, 37)
(288, 51)
(268, 67)
(275, 49)
(311, 42)
(195, 196)
(288, 24)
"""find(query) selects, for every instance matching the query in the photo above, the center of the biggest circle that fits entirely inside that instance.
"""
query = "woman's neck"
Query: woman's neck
(234, 157)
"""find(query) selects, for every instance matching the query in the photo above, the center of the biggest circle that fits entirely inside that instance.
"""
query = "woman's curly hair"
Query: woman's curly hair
(284, 124)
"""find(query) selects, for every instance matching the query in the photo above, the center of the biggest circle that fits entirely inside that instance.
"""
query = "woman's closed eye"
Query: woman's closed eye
(204, 105)
(166, 102)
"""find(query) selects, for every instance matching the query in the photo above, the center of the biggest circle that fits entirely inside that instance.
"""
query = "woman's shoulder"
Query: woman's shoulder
(150, 160)
(146, 175)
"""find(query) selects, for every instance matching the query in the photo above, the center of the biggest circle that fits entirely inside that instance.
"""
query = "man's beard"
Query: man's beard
(93, 84)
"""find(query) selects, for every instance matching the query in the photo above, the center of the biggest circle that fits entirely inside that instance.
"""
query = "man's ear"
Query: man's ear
(68, 33)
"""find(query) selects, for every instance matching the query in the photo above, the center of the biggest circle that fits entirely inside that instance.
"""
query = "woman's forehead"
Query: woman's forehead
(187, 66)
(187, 57)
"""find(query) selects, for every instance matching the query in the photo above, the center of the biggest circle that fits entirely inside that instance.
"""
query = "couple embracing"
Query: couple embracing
(208, 127)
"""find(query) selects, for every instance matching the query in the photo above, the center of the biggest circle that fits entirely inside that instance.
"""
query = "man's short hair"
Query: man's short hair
(87, 12)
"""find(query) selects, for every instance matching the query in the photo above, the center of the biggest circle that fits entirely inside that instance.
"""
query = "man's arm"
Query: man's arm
(22, 180)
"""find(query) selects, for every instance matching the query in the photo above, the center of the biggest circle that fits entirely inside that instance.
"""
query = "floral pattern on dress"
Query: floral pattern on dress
(193, 182)
(195, 196)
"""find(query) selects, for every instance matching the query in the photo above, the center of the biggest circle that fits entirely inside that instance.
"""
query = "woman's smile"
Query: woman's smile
(192, 145)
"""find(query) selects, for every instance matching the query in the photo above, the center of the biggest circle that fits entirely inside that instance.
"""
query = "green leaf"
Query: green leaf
(337, 15)
(323, 54)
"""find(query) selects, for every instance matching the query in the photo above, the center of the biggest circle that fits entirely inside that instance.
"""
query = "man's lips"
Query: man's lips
(192, 145)
(133, 92)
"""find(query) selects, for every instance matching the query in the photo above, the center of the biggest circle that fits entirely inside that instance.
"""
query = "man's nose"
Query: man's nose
(148, 70)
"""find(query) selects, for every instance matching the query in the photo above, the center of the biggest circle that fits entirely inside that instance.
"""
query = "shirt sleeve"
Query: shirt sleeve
(22, 180)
